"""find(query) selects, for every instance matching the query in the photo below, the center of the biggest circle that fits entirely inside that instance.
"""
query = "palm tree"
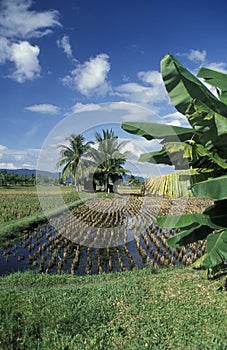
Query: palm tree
(107, 158)
(71, 156)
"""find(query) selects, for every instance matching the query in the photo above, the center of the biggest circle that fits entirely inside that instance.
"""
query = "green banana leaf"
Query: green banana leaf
(212, 188)
(183, 87)
(179, 221)
(188, 221)
(176, 158)
(191, 235)
(195, 226)
(210, 127)
(223, 96)
(216, 249)
(184, 154)
(213, 77)
(156, 157)
(158, 131)
(217, 213)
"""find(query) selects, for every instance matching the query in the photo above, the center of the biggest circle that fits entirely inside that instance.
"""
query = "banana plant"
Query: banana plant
(202, 147)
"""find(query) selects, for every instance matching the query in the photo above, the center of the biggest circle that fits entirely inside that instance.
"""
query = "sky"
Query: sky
(78, 66)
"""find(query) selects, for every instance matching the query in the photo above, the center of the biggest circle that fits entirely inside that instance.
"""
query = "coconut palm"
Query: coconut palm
(108, 159)
(71, 156)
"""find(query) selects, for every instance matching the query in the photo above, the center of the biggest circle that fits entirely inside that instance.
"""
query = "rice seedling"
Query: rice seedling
(100, 223)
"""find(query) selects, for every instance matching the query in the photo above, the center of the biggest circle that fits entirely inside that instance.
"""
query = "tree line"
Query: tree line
(9, 179)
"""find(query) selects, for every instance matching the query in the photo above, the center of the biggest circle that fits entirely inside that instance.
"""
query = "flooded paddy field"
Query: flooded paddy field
(102, 235)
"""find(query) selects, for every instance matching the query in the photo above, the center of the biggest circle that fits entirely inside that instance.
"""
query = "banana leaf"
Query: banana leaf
(188, 221)
(210, 127)
(216, 249)
(184, 154)
(191, 235)
(195, 226)
(158, 131)
(179, 221)
(156, 157)
(183, 87)
(213, 77)
(212, 188)
(223, 96)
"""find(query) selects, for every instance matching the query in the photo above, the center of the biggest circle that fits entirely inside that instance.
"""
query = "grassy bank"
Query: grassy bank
(171, 309)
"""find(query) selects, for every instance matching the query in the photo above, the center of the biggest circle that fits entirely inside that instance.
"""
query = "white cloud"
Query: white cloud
(151, 91)
(220, 66)
(80, 107)
(8, 166)
(91, 76)
(128, 110)
(44, 109)
(25, 57)
(2, 148)
(139, 146)
(15, 159)
(18, 21)
(197, 56)
(5, 50)
(65, 45)
(152, 77)
(134, 111)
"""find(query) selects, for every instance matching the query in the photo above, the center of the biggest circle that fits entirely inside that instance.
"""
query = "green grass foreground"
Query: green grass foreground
(168, 309)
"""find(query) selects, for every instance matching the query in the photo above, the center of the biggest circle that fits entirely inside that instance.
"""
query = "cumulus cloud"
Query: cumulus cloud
(44, 109)
(151, 90)
(91, 76)
(65, 45)
(197, 56)
(18, 21)
(25, 57)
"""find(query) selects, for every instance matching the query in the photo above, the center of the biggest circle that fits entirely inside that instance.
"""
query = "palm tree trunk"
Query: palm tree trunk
(106, 184)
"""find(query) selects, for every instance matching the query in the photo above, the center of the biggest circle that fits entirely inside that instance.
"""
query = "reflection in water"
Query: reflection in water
(139, 242)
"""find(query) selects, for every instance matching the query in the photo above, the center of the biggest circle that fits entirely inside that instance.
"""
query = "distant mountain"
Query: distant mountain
(30, 172)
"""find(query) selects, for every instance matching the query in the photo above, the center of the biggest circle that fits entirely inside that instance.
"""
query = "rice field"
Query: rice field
(17, 203)
(101, 235)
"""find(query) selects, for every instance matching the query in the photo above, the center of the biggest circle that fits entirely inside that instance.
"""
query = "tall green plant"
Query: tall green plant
(203, 146)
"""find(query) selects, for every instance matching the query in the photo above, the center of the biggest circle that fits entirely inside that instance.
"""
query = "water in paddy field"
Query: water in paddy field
(140, 243)
(43, 250)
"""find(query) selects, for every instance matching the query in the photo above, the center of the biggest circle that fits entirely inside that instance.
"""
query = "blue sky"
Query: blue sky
(68, 66)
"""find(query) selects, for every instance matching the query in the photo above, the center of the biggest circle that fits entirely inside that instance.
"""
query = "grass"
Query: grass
(19, 202)
(171, 309)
